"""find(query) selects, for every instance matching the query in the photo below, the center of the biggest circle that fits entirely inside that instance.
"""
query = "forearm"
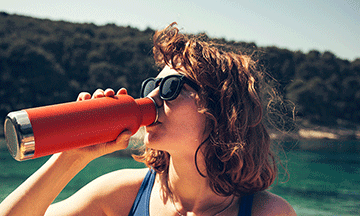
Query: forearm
(36, 194)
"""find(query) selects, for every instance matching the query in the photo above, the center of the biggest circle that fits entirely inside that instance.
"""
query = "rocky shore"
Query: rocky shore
(317, 133)
(320, 140)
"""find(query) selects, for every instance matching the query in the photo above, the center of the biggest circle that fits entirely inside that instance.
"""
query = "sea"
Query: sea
(314, 182)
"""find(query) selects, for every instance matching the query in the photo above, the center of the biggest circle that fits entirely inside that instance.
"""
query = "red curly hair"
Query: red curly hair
(237, 154)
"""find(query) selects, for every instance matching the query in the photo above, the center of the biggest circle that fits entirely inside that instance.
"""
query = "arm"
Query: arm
(36, 194)
(39, 190)
(110, 194)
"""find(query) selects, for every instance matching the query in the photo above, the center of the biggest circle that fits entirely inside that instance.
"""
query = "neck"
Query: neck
(190, 191)
(185, 181)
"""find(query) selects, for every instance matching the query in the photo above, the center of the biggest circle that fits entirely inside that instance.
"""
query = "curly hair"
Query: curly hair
(237, 154)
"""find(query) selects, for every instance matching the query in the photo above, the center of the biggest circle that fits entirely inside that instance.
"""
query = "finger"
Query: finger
(98, 93)
(83, 96)
(109, 93)
(122, 91)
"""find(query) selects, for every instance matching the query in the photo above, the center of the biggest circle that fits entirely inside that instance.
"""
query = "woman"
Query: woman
(208, 153)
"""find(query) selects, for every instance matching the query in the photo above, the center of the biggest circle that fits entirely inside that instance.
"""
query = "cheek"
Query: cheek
(182, 125)
(188, 123)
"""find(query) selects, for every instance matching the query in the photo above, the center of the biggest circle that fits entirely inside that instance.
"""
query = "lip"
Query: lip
(154, 124)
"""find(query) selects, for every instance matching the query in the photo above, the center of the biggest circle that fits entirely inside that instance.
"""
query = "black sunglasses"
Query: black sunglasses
(170, 86)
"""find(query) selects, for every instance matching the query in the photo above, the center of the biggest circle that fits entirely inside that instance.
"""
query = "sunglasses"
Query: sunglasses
(169, 86)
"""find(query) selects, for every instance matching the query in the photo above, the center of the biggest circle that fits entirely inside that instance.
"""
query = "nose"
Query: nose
(155, 94)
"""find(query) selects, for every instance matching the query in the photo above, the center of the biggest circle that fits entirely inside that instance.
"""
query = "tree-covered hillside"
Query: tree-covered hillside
(45, 62)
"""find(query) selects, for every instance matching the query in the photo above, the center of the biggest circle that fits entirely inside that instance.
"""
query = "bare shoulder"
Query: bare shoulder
(110, 194)
(120, 179)
(266, 203)
(117, 190)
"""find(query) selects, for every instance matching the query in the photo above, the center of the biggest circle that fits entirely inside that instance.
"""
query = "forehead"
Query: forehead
(167, 71)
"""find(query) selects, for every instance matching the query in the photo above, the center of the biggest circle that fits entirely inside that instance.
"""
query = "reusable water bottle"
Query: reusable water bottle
(41, 131)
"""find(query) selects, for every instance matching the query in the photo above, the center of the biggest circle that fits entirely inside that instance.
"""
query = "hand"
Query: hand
(99, 93)
(98, 150)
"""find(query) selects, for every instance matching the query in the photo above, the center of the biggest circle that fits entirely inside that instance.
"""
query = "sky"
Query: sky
(323, 25)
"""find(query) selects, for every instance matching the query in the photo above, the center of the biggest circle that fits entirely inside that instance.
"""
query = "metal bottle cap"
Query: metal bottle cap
(19, 135)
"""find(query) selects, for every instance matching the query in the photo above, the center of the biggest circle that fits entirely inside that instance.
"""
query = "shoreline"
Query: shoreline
(317, 133)
(307, 139)
(319, 139)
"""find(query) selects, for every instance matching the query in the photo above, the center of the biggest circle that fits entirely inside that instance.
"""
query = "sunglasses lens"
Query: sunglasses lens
(148, 87)
(170, 87)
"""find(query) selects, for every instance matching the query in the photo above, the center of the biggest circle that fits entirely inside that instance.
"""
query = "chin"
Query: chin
(152, 135)
(153, 141)
(150, 140)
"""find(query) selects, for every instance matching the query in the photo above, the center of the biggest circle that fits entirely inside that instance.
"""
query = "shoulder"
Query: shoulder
(117, 190)
(266, 203)
(111, 194)
(120, 179)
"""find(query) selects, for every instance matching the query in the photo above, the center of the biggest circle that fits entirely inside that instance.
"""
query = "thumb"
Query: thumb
(121, 142)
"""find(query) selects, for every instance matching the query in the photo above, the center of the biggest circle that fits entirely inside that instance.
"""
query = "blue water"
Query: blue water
(320, 183)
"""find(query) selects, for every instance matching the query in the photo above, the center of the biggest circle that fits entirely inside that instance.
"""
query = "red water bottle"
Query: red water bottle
(37, 132)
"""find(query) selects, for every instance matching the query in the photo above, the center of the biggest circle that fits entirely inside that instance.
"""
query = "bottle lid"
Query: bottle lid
(19, 135)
